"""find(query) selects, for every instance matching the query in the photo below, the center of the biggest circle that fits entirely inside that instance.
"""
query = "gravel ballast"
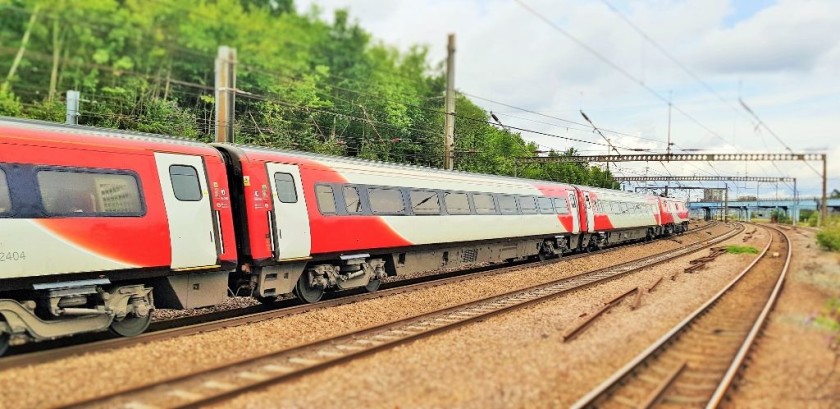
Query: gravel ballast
(518, 359)
(86, 376)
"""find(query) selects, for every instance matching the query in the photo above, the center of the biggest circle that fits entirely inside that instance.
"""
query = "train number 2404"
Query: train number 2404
(12, 256)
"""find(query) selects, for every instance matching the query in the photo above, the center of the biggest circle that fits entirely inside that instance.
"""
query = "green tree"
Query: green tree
(304, 83)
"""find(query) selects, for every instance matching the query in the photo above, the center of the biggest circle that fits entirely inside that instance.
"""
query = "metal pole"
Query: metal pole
(795, 204)
(225, 93)
(449, 123)
(824, 208)
(725, 202)
(668, 148)
(73, 107)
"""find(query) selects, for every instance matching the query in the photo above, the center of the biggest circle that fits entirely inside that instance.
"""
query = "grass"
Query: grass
(830, 319)
(741, 250)
(829, 236)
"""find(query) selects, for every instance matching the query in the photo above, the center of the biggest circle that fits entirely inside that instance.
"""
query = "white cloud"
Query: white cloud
(783, 60)
(790, 36)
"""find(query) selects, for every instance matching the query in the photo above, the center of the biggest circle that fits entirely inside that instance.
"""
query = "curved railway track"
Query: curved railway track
(696, 363)
(224, 382)
(87, 343)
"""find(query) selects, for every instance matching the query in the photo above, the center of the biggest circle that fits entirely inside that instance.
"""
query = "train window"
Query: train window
(425, 202)
(527, 204)
(573, 200)
(561, 206)
(352, 201)
(285, 185)
(326, 199)
(507, 204)
(385, 200)
(545, 205)
(89, 193)
(5, 200)
(456, 203)
(484, 203)
(185, 183)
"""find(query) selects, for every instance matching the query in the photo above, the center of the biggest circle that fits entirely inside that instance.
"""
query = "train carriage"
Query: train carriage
(619, 216)
(674, 217)
(343, 223)
(91, 220)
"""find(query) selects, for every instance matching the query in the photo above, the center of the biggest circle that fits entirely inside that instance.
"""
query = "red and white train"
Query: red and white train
(98, 227)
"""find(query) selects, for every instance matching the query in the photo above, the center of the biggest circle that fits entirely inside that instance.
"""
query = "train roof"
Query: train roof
(112, 138)
(332, 159)
(124, 139)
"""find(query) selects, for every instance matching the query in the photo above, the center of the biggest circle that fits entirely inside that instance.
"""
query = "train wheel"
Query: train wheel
(373, 285)
(307, 293)
(131, 325)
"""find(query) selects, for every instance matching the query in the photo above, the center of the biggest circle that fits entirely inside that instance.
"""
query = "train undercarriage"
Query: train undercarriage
(56, 310)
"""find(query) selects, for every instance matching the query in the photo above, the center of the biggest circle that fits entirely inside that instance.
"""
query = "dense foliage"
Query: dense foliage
(148, 65)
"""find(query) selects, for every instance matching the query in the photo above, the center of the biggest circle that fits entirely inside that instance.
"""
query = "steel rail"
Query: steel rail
(741, 356)
(203, 323)
(620, 377)
(219, 384)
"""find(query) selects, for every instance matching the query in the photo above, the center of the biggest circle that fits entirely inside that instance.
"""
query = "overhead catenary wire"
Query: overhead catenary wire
(667, 54)
(616, 67)
(554, 117)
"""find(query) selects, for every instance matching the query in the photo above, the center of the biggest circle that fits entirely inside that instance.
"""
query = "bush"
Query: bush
(9, 103)
(779, 216)
(829, 236)
(813, 219)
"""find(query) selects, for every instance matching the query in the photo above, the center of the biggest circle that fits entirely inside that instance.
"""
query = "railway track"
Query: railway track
(224, 382)
(88, 343)
(696, 363)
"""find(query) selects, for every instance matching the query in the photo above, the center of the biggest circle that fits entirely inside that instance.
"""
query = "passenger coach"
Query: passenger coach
(341, 223)
(92, 220)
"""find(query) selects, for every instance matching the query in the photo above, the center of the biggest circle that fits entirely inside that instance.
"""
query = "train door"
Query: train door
(183, 181)
(573, 210)
(290, 219)
(590, 213)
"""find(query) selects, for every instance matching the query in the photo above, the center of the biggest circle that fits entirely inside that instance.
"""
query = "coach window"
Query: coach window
(527, 204)
(352, 201)
(545, 205)
(560, 206)
(285, 185)
(385, 200)
(5, 201)
(507, 204)
(185, 183)
(425, 202)
(326, 199)
(89, 193)
(484, 203)
(456, 203)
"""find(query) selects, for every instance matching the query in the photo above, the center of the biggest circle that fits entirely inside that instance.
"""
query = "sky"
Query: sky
(781, 58)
